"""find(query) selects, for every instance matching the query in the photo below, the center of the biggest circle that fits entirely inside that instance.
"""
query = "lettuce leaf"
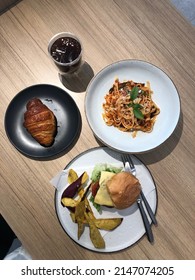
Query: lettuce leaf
(96, 173)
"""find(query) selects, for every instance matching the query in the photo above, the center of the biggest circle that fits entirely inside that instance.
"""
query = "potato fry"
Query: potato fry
(69, 202)
(85, 177)
(74, 187)
(108, 224)
(89, 210)
(81, 227)
(79, 218)
(95, 235)
(72, 215)
(81, 211)
(81, 192)
(72, 176)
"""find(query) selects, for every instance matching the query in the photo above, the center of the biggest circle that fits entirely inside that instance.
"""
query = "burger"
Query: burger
(119, 190)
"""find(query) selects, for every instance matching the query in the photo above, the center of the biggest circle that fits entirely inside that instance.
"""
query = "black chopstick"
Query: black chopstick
(145, 221)
(149, 210)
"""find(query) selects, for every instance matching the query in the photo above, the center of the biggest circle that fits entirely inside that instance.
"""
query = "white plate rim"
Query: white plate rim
(91, 248)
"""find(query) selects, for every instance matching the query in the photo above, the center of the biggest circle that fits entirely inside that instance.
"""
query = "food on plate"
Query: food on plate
(117, 189)
(107, 224)
(102, 197)
(80, 214)
(95, 234)
(72, 176)
(75, 199)
(99, 167)
(95, 177)
(74, 186)
(129, 107)
(124, 189)
(40, 122)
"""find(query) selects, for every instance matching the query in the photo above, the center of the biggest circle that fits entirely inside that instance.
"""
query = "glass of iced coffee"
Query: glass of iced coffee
(66, 50)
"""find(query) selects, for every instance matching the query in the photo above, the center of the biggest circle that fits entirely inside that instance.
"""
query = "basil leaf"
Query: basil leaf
(137, 106)
(134, 93)
(138, 114)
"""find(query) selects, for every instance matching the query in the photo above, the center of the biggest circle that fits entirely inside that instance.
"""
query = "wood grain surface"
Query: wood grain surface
(110, 30)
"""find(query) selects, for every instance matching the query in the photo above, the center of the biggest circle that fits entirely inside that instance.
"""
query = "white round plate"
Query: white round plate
(132, 228)
(165, 95)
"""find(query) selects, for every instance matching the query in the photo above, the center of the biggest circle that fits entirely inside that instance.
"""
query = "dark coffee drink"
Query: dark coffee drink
(66, 52)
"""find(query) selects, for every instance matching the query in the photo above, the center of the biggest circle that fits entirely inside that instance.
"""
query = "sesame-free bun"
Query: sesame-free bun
(124, 189)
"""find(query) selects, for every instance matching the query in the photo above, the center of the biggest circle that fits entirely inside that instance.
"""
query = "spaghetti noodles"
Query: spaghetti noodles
(129, 107)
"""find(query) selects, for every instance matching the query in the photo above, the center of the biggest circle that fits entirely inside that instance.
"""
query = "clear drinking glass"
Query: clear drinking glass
(65, 49)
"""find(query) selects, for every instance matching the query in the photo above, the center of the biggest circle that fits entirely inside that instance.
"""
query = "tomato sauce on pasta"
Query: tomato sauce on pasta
(129, 107)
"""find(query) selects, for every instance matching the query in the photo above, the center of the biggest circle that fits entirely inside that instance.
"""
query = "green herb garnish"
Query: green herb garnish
(136, 107)
(138, 114)
(134, 93)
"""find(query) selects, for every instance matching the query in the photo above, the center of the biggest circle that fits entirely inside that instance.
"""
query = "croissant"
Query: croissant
(40, 122)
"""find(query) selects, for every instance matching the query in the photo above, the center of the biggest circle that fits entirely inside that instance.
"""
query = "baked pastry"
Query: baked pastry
(40, 122)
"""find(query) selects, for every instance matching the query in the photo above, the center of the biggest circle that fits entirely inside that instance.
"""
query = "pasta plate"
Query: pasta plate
(165, 95)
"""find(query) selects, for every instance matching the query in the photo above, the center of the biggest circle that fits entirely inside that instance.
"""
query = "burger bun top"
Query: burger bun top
(124, 189)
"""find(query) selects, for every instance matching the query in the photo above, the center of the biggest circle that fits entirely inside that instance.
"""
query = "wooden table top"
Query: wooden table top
(110, 30)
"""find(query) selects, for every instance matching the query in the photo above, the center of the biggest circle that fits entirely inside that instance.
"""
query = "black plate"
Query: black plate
(66, 112)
